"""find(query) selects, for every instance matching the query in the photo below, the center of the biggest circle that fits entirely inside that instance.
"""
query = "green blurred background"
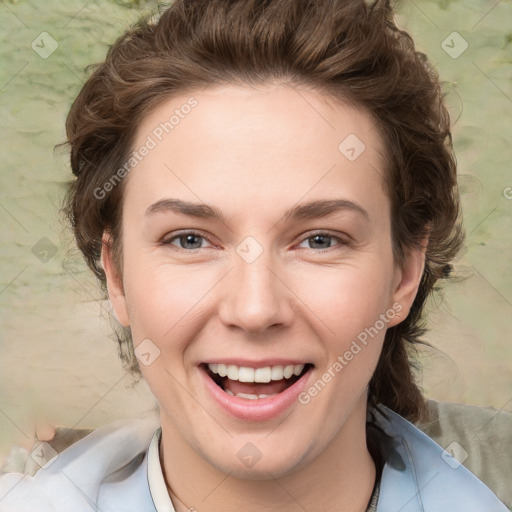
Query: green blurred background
(56, 357)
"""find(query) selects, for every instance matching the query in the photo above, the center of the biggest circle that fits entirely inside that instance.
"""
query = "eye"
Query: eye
(188, 240)
(321, 240)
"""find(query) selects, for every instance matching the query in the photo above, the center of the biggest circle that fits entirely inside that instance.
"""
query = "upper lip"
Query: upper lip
(262, 363)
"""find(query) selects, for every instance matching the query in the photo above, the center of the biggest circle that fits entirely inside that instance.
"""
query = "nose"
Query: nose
(256, 296)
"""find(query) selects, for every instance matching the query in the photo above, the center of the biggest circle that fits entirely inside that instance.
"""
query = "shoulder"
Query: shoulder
(480, 438)
(419, 474)
(110, 458)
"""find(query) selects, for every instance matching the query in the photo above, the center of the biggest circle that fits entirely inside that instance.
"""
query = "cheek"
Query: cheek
(166, 300)
(352, 311)
(163, 300)
(352, 342)
(346, 299)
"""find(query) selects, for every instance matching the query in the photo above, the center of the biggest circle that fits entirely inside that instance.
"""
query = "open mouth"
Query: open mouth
(255, 383)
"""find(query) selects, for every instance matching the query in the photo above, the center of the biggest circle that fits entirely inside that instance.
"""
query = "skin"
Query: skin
(253, 153)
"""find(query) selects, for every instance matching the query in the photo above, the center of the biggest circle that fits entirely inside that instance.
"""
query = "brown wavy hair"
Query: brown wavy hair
(350, 50)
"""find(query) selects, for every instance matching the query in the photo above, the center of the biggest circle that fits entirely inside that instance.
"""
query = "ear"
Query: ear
(407, 281)
(114, 282)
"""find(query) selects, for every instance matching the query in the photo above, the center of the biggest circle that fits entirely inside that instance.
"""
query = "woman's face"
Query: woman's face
(256, 235)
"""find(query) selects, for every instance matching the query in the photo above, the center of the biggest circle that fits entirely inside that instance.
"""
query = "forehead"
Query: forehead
(270, 143)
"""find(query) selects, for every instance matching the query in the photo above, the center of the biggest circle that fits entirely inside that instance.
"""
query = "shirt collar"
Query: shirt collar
(416, 475)
(419, 475)
(158, 487)
(156, 481)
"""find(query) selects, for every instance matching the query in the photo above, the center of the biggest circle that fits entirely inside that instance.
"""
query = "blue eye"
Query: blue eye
(320, 239)
(187, 239)
(191, 240)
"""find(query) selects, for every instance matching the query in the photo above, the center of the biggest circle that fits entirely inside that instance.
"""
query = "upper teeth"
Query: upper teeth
(266, 374)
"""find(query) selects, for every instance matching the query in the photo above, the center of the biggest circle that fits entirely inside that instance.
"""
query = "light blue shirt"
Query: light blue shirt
(117, 468)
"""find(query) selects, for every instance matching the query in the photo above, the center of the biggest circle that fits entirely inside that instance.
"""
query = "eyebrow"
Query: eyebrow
(311, 210)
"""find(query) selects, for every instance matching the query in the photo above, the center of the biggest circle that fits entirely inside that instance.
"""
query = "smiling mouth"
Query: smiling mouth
(255, 383)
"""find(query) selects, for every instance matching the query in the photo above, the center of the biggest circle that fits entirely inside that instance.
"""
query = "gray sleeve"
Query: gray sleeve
(480, 438)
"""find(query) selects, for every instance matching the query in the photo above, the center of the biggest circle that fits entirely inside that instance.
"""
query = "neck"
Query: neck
(340, 479)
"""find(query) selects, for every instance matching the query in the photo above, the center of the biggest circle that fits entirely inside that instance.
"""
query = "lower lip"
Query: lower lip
(256, 410)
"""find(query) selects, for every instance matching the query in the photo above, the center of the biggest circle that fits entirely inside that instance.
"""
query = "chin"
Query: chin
(249, 462)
